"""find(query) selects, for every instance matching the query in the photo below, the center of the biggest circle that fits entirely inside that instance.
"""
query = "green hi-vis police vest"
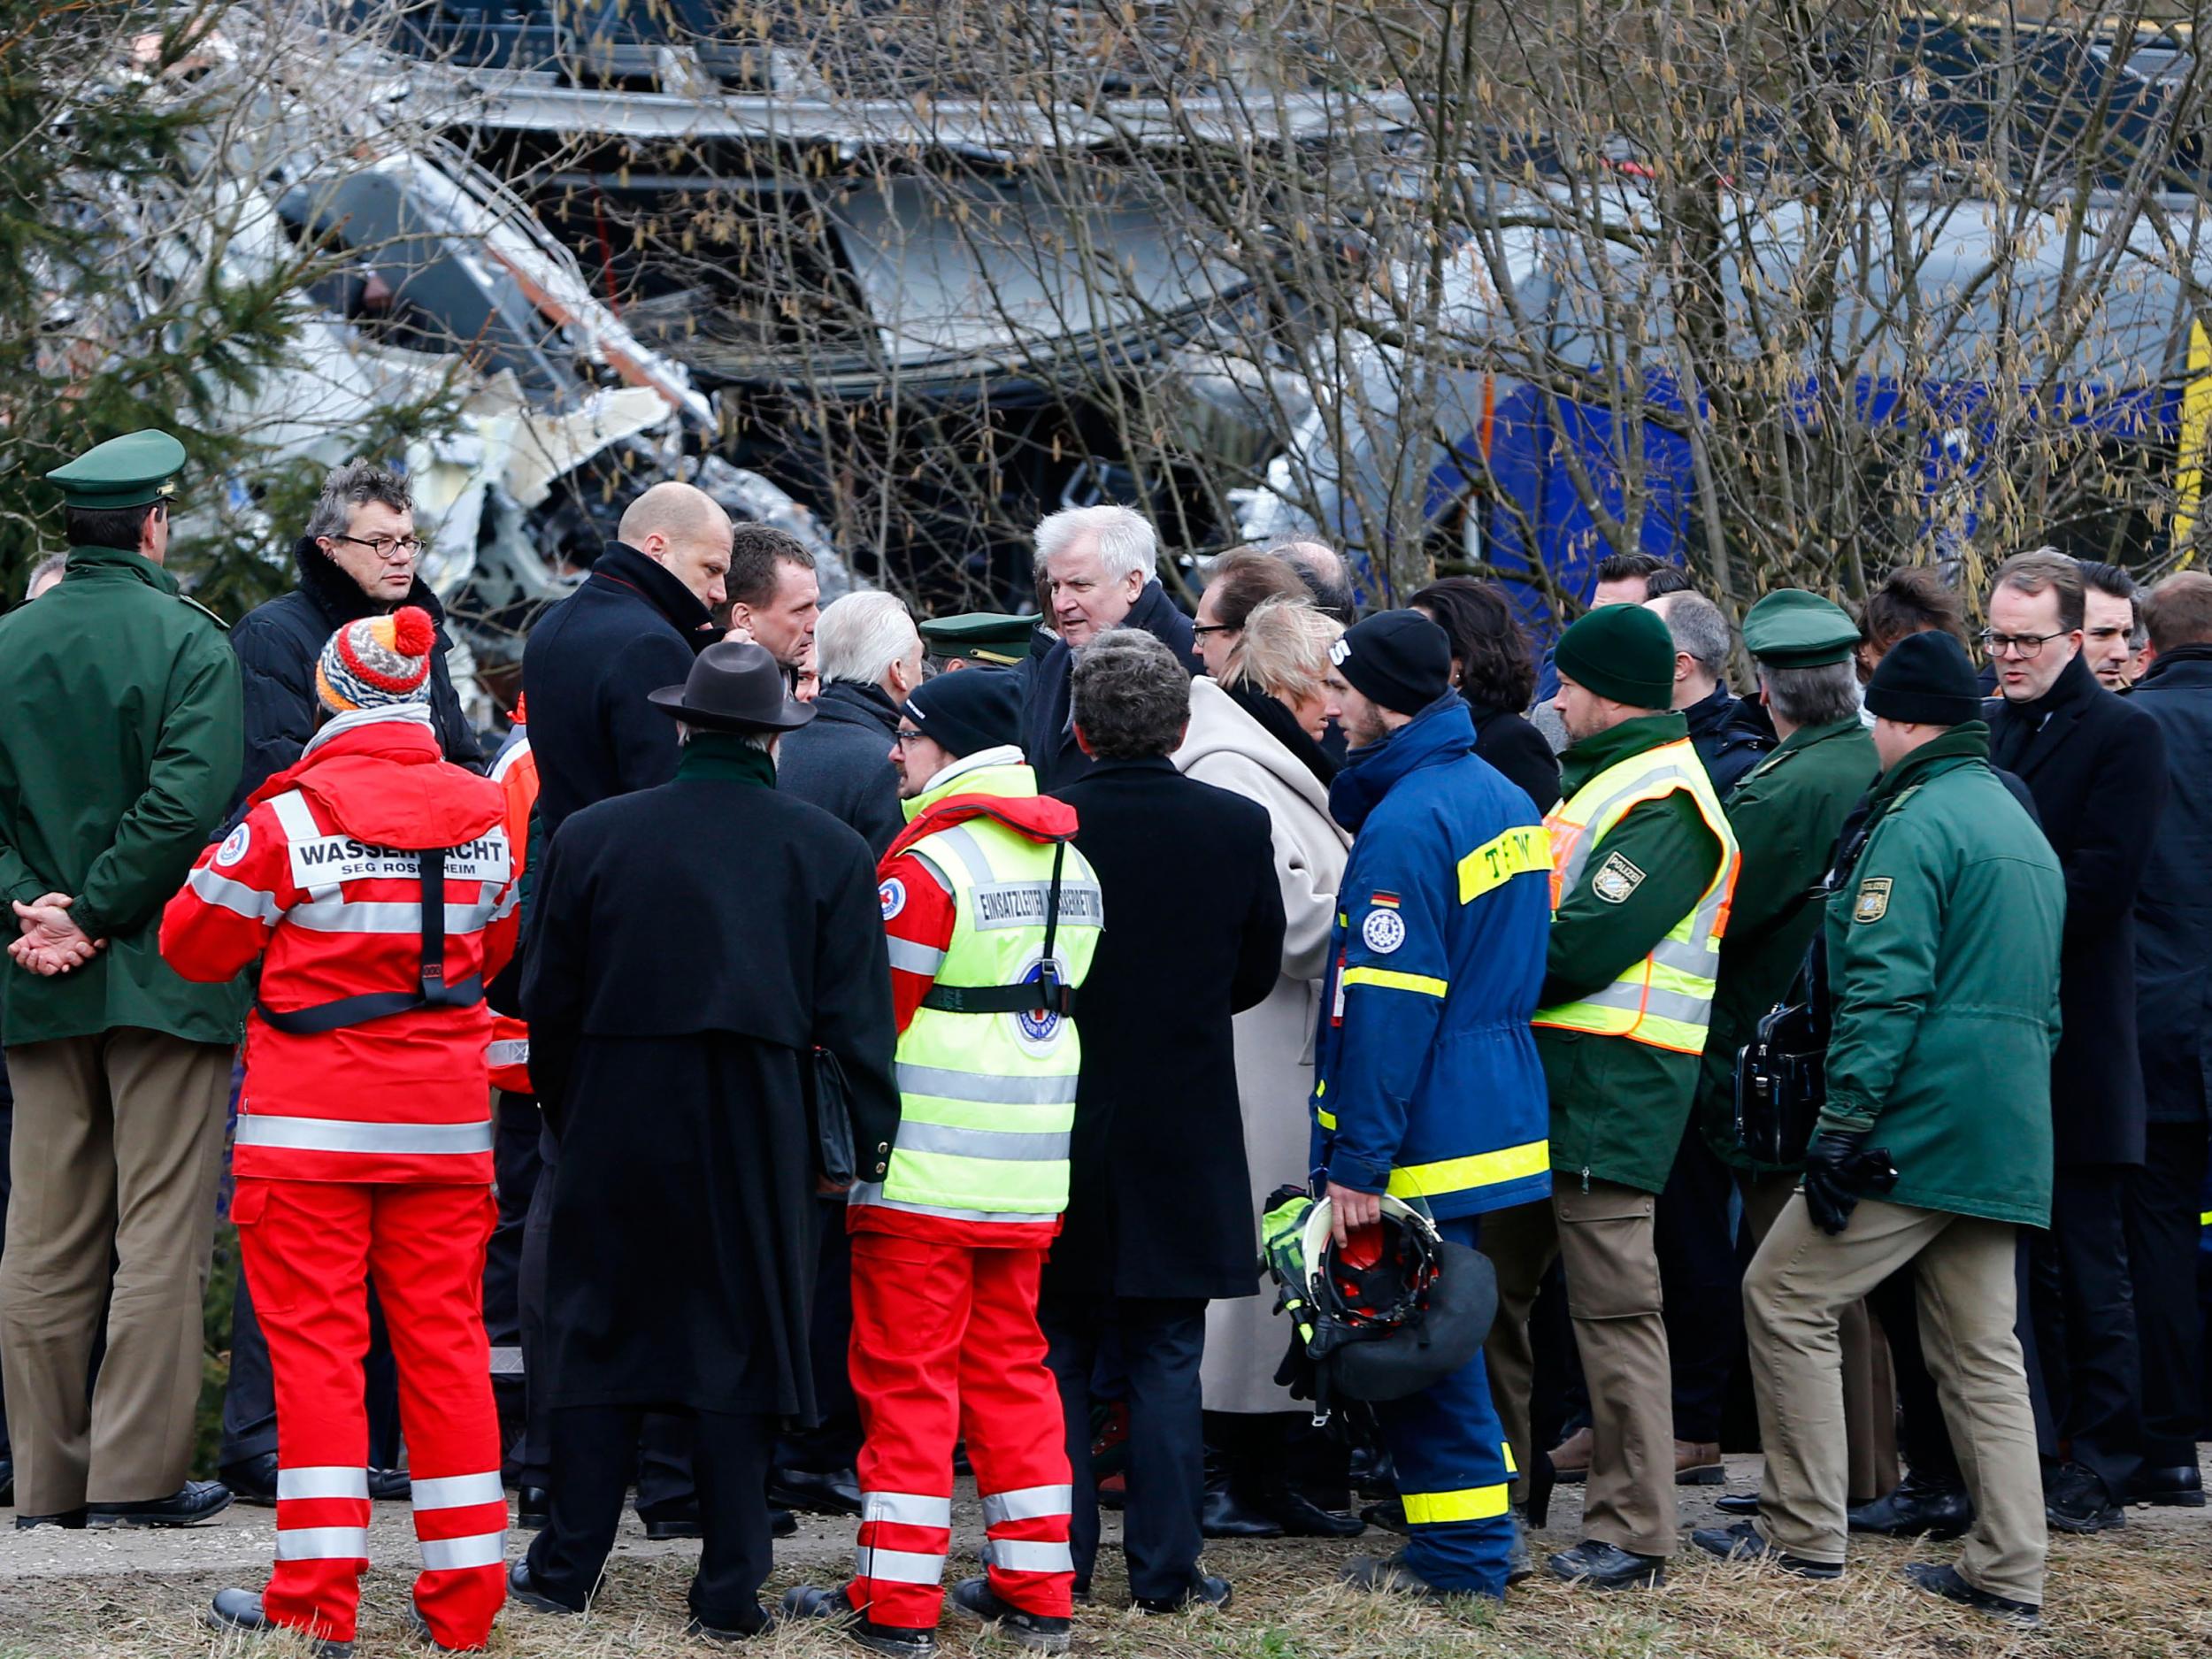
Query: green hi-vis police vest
(1664, 998)
(987, 1101)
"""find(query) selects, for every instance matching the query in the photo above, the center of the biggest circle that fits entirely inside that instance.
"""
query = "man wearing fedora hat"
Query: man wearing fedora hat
(678, 1020)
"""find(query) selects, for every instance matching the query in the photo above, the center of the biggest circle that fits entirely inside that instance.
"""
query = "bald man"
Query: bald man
(634, 625)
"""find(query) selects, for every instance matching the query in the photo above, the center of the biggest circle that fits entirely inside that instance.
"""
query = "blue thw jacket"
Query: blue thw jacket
(1427, 1081)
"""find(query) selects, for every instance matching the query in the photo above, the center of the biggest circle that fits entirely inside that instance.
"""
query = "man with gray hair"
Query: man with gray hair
(357, 559)
(869, 656)
(1098, 569)
(1159, 1219)
(1726, 731)
(1321, 567)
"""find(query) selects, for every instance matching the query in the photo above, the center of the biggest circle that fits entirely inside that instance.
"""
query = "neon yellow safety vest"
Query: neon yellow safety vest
(1666, 998)
(986, 1101)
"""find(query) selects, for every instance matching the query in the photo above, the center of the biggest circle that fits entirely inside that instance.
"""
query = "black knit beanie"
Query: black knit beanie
(1925, 680)
(1398, 658)
(968, 709)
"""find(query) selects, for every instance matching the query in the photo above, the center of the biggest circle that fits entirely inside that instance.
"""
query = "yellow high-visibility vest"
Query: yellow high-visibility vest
(1666, 998)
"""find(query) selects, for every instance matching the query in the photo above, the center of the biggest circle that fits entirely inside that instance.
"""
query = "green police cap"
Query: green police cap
(980, 636)
(1791, 628)
(136, 470)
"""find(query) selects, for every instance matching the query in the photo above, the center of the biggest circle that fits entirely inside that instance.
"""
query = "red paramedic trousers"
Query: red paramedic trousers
(946, 1346)
(310, 1250)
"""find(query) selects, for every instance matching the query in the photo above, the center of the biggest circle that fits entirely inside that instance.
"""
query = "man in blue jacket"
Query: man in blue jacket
(1427, 1082)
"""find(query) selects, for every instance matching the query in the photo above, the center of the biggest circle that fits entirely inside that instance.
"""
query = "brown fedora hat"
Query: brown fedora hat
(733, 687)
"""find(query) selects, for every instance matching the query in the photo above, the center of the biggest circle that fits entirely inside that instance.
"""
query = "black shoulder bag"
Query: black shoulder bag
(432, 992)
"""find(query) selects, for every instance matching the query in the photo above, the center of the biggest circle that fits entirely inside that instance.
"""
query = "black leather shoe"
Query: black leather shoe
(1225, 1514)
(1606, 1567)
(1747, 1503)
(533, 1508)
(195, 1501)
(1389, 1516)
(1374, 1476)
(2181, 1488)
(241, 1610)
(2076, 1500)
(1389, 1575)
(1301, 1517)
(252, 1480)
(1917, 1507)
(1743, 1542)
(682, 1521)
(814, 1492)
(808, 1602)
(1945, 1581)
(782, 1524)
(68, 1520)
(714, 1630)
(523, 1588)
(391, 1486)
(1038, 1631)
(1203, 1590)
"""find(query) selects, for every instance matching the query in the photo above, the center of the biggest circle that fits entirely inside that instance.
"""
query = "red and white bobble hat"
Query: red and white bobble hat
(377, 660)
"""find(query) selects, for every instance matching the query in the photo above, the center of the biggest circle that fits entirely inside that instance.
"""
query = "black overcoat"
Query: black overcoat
(2173, 912)
(1047, 738)
(1517, 749)
(632, 627)
(277, 645)
(840, 761)
(1160, 1202)
(673, 1015)
(2096, 765)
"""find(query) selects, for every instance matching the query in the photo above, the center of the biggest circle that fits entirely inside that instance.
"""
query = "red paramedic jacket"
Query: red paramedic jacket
(319, 880)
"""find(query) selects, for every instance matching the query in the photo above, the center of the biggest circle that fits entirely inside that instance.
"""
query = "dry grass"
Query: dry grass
(2142, 1593)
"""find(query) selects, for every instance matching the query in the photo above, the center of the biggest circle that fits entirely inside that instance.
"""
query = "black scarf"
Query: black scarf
(341, 599)
(2018, 723)
(1283, 726)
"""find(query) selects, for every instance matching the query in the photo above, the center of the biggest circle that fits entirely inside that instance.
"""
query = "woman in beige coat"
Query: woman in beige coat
(1255, 732)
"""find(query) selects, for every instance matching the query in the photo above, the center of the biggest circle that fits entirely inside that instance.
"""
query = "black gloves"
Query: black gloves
(1839, 1170)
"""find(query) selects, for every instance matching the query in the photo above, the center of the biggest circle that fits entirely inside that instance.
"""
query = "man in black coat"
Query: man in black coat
(1159, 1219)
(1099, 569)
(2096, 765)
(357, 559)
(2173, 980)
(676, 1019)
(1728, 733)
(870, 654)
(636, 623)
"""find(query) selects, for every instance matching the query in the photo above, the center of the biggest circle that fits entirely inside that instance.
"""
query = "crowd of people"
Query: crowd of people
(819, 1050)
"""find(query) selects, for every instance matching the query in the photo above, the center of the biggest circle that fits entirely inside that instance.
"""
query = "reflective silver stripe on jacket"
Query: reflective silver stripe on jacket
(1030, 1089)
(322, 1543)
(236, 897)
(906, 1509)
(373, 915)
(334, 1134)
(872, 1193)
(1699, 961)
(1630, 999)
(1006, 1145)
(508, 1051)
(457, 1492)
(909, 957)
(993, 902)
(1028, 1503)
(451, 1555)
(322, 1480)
(506, 1361)
(898, 1566)
(1017, 1554)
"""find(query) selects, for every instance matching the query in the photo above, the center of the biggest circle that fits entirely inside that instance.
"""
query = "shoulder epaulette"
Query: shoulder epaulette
(203, 610)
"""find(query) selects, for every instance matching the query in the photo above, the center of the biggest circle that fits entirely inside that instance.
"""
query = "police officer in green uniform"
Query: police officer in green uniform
(980, 639)
(118, 751)
(1934, 1145)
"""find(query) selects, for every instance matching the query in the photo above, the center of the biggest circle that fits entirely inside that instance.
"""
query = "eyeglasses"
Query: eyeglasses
(903, 738)
(2026, 646)
(1201, 629)
(386, 546)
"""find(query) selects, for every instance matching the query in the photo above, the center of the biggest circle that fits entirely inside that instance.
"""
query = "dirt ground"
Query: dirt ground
(2145, 1590)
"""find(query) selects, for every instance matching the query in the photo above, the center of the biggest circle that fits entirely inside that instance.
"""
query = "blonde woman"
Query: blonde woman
(1256, 732)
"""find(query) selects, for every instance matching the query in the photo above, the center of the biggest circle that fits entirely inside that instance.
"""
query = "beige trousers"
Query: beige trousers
(1604, 1239)
(118, 1147)
(1869, 1387)
(1798, 1285)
